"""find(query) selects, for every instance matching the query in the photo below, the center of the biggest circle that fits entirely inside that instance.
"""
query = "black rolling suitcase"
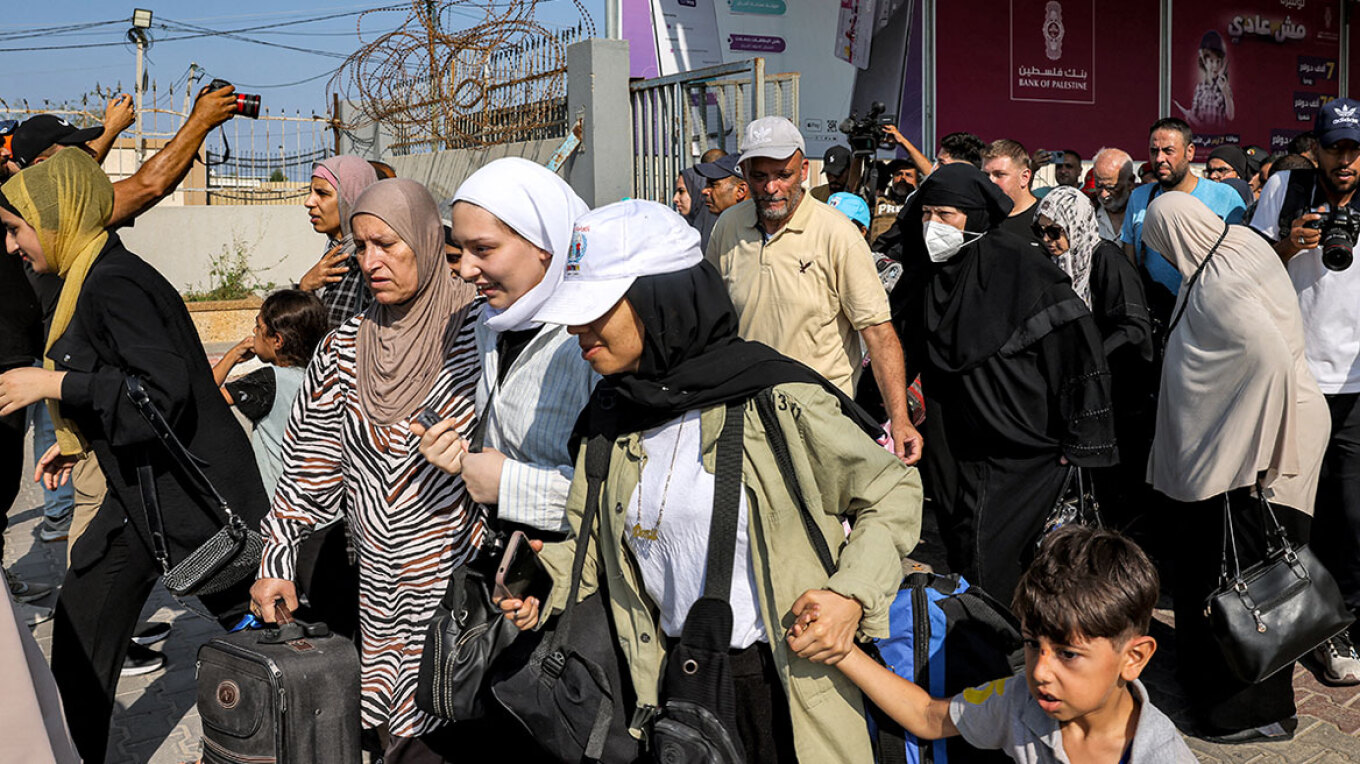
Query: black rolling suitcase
(286, 695)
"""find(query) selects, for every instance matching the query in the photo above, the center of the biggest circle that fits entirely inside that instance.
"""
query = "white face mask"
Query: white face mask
(943, 241)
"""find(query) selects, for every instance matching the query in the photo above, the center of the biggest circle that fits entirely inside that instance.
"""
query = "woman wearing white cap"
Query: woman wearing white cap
(654, 319)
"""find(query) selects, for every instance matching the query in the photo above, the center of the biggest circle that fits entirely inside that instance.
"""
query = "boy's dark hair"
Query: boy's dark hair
(1175, 125)
(1087, 582)
(300, 319)
(964, 147)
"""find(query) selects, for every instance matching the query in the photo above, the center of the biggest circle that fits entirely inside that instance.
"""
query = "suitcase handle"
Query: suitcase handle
(282, 616)
(288, 629)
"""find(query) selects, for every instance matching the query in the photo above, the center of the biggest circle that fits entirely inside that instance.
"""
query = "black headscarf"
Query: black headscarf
(998, 294)
(693, 359)
(699, 216)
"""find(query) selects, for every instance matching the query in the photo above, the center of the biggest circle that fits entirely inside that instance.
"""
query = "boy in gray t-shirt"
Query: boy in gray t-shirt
(1084, 605)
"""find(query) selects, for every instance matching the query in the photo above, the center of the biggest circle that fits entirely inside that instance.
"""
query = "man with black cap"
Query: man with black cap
(838, 165)
(1295, 210)
(902, 179)
(724, 185)
(41, 136)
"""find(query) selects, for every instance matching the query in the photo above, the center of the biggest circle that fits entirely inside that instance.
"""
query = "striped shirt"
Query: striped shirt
(530, 420)
(412, 523)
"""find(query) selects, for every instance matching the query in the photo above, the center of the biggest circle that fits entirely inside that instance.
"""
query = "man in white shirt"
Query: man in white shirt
(1295, 211)
(1114, 184)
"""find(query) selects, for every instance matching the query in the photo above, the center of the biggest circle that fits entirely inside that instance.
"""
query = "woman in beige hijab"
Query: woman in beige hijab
(349, 449)
(1238, 408)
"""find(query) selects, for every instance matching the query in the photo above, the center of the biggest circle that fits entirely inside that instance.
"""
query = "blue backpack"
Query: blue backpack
(945, 636)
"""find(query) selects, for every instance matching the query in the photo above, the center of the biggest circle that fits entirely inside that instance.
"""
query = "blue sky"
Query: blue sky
(62, 74)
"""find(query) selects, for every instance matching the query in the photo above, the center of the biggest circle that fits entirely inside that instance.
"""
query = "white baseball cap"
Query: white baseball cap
(771, 137)
(610, 248)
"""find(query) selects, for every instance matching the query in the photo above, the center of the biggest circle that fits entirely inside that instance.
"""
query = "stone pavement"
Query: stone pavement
(155, 720)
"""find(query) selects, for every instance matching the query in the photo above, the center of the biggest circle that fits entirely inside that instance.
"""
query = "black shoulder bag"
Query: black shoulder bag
(565, 682)
(229, 555)
(1271, 614)
(698, 717)
(467, 631)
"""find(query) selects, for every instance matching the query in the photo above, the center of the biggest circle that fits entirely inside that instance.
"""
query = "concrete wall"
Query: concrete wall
(181, 242)
(443, 171)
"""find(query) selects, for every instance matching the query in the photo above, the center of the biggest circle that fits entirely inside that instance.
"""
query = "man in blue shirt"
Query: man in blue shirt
(1172, 148)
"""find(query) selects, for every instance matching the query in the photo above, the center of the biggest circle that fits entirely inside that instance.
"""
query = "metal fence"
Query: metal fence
(679, 117)
(247, 161)
(517, 94)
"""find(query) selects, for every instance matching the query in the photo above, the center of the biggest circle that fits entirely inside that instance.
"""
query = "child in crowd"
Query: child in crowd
(287, 329)
(1084, 606)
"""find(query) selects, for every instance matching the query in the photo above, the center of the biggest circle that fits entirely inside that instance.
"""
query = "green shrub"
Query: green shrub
(231, 277)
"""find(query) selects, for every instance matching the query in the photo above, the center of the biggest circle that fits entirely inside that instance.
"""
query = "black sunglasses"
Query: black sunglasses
(1051, 232)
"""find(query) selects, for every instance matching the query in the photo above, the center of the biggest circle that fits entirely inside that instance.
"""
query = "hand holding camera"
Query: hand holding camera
(1334, 231)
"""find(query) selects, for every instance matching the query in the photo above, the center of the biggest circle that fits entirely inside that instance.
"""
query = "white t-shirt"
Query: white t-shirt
(673, 566)
(1329, 300)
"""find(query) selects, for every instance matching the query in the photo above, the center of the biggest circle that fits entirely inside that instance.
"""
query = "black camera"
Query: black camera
(1339, 229)
(866, 135)
(247, 105)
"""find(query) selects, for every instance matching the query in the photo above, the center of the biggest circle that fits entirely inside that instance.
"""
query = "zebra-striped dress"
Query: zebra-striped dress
(411, 522)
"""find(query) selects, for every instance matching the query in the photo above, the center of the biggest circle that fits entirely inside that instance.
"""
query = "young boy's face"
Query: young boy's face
(1074, 680)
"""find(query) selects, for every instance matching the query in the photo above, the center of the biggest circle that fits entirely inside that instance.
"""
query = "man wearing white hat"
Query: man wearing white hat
(803, 279)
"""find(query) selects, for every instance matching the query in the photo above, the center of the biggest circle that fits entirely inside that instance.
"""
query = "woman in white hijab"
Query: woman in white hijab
(513, 220)
(1238, 408)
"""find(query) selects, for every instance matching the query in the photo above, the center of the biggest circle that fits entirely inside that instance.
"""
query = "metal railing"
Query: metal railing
(270, 159)
(679, 117)
(518, 93)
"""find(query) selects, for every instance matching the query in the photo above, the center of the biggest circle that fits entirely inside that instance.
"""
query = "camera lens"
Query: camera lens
(1337, 254)
(248, 105)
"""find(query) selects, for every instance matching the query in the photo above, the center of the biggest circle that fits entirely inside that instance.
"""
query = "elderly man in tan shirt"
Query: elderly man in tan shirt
(802, 277)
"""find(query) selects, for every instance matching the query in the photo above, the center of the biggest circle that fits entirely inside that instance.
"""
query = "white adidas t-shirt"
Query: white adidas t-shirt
(1329, 300)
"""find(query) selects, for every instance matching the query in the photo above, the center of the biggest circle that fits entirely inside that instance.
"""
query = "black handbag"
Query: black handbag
(1267, 617)
(1076, 504)
(229, 555)
(565, 682)
(467, 632)
(465, 635)
(698, 717)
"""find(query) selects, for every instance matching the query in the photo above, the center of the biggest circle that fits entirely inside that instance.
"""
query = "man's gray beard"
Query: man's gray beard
(792, 204)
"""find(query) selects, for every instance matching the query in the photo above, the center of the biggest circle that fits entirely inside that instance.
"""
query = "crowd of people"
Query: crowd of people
(437, 378)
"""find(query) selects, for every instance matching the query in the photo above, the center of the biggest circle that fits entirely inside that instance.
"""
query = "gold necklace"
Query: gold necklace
(650, 534)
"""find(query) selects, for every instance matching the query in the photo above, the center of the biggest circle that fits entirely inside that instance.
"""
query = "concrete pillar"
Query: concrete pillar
(597, 90)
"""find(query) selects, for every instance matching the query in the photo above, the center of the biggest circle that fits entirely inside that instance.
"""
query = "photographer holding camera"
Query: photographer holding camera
(1313, 216)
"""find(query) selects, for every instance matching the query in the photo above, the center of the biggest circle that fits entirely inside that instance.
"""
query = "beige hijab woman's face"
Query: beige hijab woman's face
(388, 264)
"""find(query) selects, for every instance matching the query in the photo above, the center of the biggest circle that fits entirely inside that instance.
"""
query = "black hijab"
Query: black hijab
(693, 359)
(998, 294)
(699, 217)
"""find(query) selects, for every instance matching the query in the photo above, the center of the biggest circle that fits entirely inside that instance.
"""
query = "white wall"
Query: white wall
(181, 242)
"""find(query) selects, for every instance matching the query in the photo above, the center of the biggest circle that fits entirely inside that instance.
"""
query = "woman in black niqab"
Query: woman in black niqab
(1013, 373)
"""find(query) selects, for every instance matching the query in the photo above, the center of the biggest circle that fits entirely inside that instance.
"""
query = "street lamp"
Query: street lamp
(141, 22)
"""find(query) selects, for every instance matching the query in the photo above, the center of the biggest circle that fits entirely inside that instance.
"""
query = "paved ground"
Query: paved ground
(156, 721)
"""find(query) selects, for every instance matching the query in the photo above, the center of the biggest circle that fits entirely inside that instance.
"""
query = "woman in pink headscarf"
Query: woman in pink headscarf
(336, 183)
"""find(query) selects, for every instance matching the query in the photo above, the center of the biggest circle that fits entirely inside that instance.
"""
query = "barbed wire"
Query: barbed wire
(457, 87)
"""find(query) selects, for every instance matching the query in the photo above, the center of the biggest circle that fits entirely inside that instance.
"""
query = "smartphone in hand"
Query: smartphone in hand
(521, 574)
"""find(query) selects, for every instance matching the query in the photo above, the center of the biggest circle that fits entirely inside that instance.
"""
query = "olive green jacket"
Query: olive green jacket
(843, 473)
